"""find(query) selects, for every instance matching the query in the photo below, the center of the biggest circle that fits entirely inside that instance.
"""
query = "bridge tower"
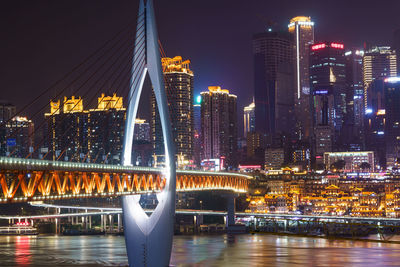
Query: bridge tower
(149, 238)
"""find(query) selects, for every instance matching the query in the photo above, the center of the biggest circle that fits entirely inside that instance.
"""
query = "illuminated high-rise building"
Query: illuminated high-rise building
(179, 88)
(378, 62)
(354, 87)
(105, 130)
(375, 118)
(328, 89)
(352, 134)
(219, 125)
(142, 130)
(197, 131)
(94, 135)
(392, 123)
(20, 137)
(273, 84)
(302, 28)
(249, 119)
(396, 47)
(67, 126)
(7, 111)
(142, 148)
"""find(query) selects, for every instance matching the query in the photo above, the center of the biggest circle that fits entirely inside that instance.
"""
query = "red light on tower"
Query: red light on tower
(337, 45)
(318, 46)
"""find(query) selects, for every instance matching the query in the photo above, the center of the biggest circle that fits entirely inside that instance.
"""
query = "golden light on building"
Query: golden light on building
(140, 121)
(55, 107)
(72, 105)
(110, 102)
(217, 90)
(303, 21)
(176, 64)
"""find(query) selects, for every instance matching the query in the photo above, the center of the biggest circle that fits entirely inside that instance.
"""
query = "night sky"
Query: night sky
(43, 40)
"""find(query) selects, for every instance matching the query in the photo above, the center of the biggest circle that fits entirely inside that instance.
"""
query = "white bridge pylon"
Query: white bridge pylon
(149, 238)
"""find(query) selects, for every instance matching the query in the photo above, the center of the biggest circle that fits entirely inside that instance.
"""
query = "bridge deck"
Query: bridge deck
(24, 180)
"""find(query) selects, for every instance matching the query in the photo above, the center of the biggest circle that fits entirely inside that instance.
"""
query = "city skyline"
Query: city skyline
(260, 119)
(231, 68)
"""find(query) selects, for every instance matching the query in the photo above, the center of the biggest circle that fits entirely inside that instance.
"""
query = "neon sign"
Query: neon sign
(318, 46)
(337, 45)
(321, 92)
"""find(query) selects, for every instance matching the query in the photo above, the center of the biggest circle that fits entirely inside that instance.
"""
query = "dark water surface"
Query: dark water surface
(212, 250)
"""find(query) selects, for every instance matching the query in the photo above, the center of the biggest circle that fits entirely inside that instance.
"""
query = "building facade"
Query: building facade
(396, 47)
(105, 129)
(353, 130)
(249, 119)
(76, 134)
(20, 137)
(274, 158)
(392, 123)
(219, 126)
(353, 160)
(179, 87)
(197, 149)
(378, 62)
(302, 30)
(7, 111)
(328, 86)
(273, 81)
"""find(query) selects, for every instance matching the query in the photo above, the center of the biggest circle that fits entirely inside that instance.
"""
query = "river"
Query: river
(200, 250)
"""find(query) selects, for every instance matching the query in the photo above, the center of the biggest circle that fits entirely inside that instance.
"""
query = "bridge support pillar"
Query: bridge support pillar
(119, 222)
(56, 224)
(112, 223)
(102, 221)
(231, 210)
(105, 222)
(197, 221)
(90, 222)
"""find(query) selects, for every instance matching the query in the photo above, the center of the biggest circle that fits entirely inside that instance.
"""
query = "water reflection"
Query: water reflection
(22, 250)
(217, 250)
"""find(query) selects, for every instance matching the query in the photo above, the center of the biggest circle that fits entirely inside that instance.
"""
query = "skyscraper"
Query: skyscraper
(375, 117)
(378, 62)
(93, 135)
(67, 126)
(106, 126)
(219, 125)
(179, 87)
(328, 84)
(249, 119)
(354, 87)
(273, 81)
(302, 28)
(142, 149)
(142, 130)
(392, 124)
(19, 132)
(396, 47)
(197, 151)
(7, 111)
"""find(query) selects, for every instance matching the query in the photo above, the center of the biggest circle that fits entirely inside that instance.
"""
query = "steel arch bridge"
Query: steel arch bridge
(23, 180)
